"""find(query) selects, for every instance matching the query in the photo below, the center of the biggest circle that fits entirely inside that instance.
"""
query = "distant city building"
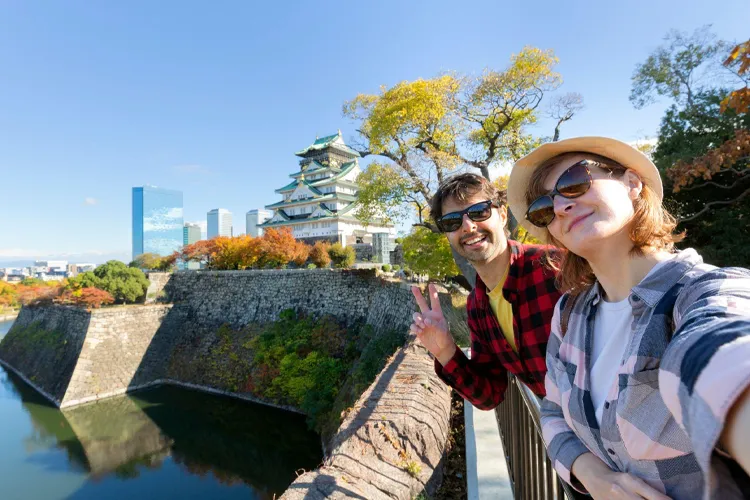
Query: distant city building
(52, 265)
(320, 203)
(82, 268)
(72, 270)
(219, 223)
(157, 221)
(190, 233)
(252, 219)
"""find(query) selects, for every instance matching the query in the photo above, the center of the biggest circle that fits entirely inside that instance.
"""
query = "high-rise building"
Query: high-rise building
(321, 201)
(252, 219)
(219, 223)
(190, 233)
(157, 220)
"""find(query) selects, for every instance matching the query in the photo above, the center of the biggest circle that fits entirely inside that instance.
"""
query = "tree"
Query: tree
(703, 143)
(88, 297)
(278, 248)
(426, 129)
(562, 109)
(154, 262)
(679, 69)
(739, 62)
(426, 252)
(201, 251)
(341, 257)
(319, 254)
(125, 284)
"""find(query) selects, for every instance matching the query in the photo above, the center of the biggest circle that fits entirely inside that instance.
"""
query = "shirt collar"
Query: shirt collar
(653, 287)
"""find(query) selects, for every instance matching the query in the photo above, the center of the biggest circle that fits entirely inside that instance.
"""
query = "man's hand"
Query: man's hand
(431, 327)
(605, 484)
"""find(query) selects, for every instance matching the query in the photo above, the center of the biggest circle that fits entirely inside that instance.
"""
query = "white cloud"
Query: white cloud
(90, 201)
(202, 223)
(191, 169)
(96, 256)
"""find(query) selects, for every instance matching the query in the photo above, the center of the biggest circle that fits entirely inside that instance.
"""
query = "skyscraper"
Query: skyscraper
(190, 233)
(219, 223)
(252, 219)
(157, 220)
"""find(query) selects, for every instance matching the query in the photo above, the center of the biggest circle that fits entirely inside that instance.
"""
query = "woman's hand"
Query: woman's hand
(605, 484)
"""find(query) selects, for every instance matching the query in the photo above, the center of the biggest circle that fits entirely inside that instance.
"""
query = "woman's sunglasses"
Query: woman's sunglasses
(574, 182)
(477, 212)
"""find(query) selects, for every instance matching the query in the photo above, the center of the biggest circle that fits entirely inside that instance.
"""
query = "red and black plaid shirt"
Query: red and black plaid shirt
(530, 290)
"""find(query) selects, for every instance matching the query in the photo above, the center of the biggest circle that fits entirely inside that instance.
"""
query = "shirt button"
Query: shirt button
(606, 405)
(610, 451)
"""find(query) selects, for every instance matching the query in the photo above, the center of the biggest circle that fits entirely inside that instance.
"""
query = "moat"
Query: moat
(160, 443)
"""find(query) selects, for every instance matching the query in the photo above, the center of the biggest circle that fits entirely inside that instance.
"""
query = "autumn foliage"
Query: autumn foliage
(739, 100)
(276, 249)
(88, 297)
(319, 254)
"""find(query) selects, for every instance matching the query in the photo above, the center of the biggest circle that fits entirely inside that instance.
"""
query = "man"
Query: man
(509, 310)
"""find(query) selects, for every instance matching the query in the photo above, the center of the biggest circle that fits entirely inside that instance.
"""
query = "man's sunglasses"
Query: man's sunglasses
(478, 212)
(574, 182)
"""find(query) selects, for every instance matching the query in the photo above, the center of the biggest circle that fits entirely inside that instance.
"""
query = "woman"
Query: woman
(648, 362)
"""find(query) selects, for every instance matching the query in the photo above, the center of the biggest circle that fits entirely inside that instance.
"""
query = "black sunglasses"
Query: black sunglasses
(478, 212)
(574, 182)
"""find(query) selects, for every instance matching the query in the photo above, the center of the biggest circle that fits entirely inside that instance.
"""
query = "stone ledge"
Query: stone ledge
(391, 444)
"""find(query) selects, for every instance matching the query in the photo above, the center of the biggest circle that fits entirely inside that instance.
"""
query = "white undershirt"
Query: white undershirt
(611, 337)
(612, 333)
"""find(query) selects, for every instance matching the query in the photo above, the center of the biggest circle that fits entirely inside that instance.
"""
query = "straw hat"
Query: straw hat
(622, 153)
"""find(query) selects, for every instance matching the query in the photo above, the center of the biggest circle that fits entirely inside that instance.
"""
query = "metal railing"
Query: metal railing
(531, 471)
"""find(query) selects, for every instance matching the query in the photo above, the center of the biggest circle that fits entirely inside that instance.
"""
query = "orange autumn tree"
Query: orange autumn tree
(278, 248)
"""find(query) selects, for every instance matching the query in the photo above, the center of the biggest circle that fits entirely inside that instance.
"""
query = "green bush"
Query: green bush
(396, 267)
(341, 257)
(312, 266)
(125, 284)
(387, 268)
(304, 363)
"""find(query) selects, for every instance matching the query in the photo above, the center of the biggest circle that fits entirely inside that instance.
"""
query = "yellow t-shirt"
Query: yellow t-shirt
(503, 312)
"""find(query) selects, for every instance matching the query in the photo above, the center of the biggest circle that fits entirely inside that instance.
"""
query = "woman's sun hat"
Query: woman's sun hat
(624, 154)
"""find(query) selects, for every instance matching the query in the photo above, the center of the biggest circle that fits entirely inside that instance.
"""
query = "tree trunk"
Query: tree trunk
(467, 270)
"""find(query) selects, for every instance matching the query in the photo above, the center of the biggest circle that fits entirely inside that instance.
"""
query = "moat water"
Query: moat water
(159, 443)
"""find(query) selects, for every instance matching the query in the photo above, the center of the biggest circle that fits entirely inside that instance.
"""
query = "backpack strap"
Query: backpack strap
(570, 302)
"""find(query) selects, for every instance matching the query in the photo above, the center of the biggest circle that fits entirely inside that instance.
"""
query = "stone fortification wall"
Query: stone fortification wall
(391, 442)
(118, 353)
(237, 298)
(43, 346)
(74, 356)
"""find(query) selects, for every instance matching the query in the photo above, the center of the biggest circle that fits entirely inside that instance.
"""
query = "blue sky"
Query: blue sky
(214, 98)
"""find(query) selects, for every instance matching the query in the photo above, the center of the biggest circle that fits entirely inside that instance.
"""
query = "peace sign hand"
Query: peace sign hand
(431, 327)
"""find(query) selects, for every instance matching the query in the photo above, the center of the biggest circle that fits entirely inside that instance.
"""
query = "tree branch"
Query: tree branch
(714, 204)
(720, 186)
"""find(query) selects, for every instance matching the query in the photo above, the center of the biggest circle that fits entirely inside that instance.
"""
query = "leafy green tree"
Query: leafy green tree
(125, 284)
(429, 128)
(341, 257)
(424, 130)
(703, 145)
(429, 253)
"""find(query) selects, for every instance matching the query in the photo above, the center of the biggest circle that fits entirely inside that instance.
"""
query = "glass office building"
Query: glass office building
(157, 221)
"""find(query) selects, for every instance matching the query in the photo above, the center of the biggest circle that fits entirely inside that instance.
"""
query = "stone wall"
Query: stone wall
(75, 356)
(111, 357)
(238, 298)
(391, 443)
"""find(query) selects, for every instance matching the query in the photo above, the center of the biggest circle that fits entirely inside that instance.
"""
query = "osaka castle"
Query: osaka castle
(320, 202)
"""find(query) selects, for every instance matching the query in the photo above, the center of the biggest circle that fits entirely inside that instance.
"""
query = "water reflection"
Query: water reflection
(160, 443)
